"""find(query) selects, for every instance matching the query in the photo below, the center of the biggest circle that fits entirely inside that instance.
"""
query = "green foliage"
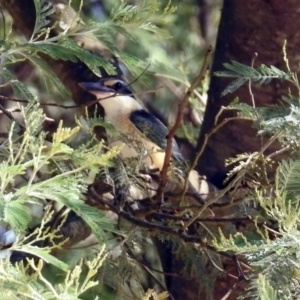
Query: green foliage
(59, 184)
(244, 74)
(16, 284)
(265, 290)
(142, 16)
(62, 185)
(42, 179)
(271, 245)
(43, 11)
(283, 120)
(62, 46)
(20, 90)
(68, 50)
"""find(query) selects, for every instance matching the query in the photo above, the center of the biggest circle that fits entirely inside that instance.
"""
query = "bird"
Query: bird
(141, 131)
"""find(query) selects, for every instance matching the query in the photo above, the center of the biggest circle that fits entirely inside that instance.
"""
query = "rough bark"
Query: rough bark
(246, 28)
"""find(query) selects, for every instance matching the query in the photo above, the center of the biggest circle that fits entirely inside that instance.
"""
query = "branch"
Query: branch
(172, 231)
(8, 113)
(170, 136)
(90, 103)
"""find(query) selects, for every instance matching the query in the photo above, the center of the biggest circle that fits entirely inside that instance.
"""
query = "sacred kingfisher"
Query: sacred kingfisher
(141, 131)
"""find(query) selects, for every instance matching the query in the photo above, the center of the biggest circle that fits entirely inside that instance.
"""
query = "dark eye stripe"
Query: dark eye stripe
(118, 86)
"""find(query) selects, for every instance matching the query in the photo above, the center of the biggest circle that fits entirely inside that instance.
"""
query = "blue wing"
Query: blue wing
(154, 130)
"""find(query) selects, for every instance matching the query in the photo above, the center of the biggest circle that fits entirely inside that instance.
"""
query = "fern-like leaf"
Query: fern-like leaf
(19, 88)
(43, 10)
(244, 73)
(288, 173)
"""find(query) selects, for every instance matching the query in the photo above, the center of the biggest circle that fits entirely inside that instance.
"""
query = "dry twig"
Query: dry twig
(181, 106)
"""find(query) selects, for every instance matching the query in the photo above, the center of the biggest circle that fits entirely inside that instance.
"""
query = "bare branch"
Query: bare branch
(181, 106)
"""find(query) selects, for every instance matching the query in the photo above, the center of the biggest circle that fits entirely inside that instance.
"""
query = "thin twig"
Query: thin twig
(190, 239)
(181, 106)
(204, 220)
(147, 269)
(73, 106)
(140, 75)
(272, 230)
(287, 148)
(173, 88)
(7, 113)
(11, 117)
(232, 289)
(11, 110)
(219, 114)
(249, 83)
(241, 278)
(239, 268)
(217, 267)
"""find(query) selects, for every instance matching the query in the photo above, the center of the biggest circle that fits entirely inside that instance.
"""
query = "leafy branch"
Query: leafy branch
(244, 73)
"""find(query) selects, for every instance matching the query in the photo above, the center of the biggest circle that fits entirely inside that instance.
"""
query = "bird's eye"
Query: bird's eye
(118, 86)
(122, 88)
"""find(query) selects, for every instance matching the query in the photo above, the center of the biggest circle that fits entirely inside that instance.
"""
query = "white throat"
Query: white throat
(117, 106)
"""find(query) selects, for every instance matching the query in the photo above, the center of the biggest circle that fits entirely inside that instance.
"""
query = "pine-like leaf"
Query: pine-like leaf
(234, 85)
(43, 10)
(136, 66)
(51, 80)
(91, 60)
(19, 88)
(142, 16)
(67, 190)
(244, 73)
(43, 254)
(17, 215)
(68, 50)
(289, 176)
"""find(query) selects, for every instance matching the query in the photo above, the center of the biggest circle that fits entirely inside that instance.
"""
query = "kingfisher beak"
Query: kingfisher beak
(97, 89)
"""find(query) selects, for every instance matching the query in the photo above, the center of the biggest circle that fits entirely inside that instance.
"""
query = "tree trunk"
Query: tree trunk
(246, 28)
